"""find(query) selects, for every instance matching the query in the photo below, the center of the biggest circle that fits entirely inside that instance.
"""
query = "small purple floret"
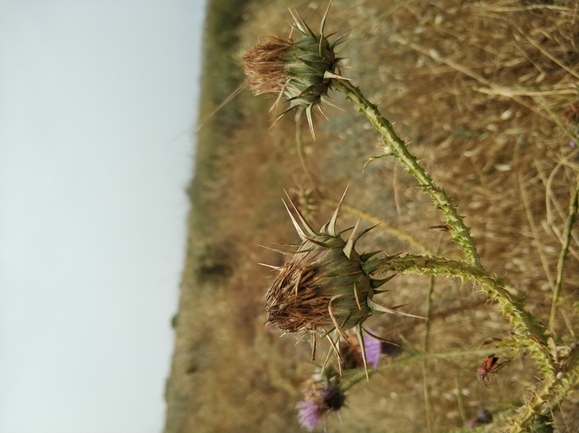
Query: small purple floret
(310, 414)
(373, 350)
(328, 398)
(573, 144)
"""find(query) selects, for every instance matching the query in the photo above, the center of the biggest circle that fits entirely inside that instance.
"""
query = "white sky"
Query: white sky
(94, 96)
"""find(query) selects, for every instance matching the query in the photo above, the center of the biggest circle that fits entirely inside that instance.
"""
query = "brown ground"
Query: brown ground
(484, 94)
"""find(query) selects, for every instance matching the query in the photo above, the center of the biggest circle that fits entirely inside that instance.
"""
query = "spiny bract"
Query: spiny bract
(301, 70)
(326, 285)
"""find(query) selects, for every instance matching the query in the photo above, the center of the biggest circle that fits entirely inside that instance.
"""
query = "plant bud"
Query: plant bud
(302, 70)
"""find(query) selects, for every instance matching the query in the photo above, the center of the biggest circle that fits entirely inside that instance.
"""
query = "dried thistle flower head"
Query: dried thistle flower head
(324, 286)
(302, 70)
(327, 285)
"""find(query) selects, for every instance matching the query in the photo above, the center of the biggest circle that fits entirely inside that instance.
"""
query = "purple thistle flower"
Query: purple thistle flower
(321, 399)
(352, 351)
(310, 414)
(572, 144)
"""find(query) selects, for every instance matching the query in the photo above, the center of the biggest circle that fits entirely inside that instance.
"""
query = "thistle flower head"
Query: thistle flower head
(322, 397)
(327, 285)
(324, 286)
(300, 70)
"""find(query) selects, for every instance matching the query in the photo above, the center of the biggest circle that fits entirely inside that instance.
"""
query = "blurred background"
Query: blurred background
(98, 102)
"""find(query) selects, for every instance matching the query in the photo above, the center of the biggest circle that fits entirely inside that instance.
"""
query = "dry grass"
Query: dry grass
(483, 92)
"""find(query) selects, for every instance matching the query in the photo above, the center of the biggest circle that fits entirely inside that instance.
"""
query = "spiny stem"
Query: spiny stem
(561, 263)
(397, 148)
(545, 401)
(533, 335)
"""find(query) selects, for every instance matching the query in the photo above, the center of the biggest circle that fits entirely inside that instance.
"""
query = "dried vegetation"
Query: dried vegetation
(486, 94)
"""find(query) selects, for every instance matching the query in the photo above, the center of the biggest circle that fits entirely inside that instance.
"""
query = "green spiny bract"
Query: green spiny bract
(306, 64)
(326, 285)
(300, 70)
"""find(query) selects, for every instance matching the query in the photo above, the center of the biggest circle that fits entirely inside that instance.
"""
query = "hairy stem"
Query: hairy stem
(547, 399)
(531, 334)
(396, 147)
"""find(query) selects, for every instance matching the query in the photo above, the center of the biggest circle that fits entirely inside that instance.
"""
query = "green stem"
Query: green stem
(415, 357)
(532, 335)
(301, 153)
(397, 148)
(425, 373)
(563, 255)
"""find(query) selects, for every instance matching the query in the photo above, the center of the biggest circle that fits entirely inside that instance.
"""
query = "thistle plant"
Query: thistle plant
(328, 286)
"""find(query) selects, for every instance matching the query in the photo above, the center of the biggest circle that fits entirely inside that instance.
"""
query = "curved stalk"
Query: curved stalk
(531, 334)
(359, 376)
(573, 206)
(396, 147)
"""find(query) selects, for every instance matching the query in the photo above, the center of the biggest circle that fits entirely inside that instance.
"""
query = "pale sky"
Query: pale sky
(97, 102)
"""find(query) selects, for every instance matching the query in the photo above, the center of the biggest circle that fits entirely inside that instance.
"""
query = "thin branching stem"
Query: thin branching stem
(301, 153)
(417, 356)
(459, 398)
(397, 148)
(563, 255)
(534, 230)
(427, 323)
(425, 375)
(382, 225)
